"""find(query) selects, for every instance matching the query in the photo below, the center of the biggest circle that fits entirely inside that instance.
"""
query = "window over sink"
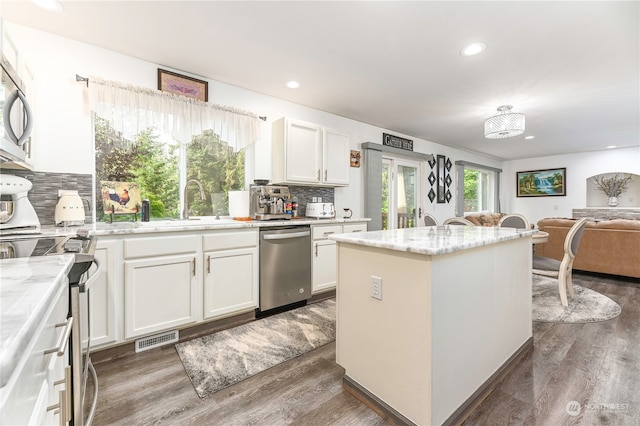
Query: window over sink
(162, 166)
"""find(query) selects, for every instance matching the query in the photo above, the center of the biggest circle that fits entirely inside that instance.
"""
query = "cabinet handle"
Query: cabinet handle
(318, 175)
(208, 264)
(193, 262)
(63, 339)
(316, 249)
(325, 174)
(61, 407)
(329, 233)
(357, 230)
(68, 377)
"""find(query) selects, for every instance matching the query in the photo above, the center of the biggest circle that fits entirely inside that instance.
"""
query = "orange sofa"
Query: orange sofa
(609, 246)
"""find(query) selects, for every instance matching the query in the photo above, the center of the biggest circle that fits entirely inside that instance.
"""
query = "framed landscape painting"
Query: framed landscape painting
(542, 183)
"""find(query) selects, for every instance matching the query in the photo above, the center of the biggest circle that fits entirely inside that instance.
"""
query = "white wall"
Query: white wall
(63, 135)
(580, 167)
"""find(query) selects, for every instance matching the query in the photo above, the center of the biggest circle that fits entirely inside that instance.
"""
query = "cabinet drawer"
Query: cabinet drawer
(146, 247)
(230, 240)
(322, 232)
(354, 227)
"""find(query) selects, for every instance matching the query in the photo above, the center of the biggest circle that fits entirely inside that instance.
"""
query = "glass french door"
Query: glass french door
(401, 193)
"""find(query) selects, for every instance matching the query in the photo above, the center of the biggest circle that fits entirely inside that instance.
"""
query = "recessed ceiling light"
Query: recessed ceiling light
(473, 49)
(529, 137)
(50, 5)
(611, 147)
(292, 84)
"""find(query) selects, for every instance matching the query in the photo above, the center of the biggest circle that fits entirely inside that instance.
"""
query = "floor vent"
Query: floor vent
(156, 341)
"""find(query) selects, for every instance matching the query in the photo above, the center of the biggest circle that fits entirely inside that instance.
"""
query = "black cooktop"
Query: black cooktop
(82, 246)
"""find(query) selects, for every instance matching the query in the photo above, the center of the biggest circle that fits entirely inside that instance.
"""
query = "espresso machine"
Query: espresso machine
(17, 215)
(269, 202)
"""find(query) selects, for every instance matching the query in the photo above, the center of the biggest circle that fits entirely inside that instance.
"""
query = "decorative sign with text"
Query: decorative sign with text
(397, 142)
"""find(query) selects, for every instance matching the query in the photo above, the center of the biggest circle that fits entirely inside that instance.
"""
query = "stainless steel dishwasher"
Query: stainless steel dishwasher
(285, 266)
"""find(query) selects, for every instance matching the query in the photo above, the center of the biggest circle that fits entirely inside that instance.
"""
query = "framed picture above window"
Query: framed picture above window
(542, 183)
(182, 85)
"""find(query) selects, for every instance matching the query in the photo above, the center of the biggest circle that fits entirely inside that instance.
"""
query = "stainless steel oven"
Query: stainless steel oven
(81, 276)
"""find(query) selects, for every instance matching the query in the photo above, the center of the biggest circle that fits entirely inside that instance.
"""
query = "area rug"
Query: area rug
(586, 306)
(221, 359)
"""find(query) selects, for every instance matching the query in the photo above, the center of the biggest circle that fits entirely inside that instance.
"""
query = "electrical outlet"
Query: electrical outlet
(376, 287)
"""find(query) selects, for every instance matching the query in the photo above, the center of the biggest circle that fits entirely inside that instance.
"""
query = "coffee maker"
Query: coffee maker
(17, 215)
(270, 202)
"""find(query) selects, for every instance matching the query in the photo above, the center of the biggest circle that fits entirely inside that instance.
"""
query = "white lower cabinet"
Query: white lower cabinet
(105, 296)
(324, 266)
(323, 254)
(161, 277)
(176, 281)
(231, 272)
(32, 393)
(155, 283)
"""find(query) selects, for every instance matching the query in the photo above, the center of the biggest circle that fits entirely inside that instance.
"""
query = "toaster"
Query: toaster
(320, 210)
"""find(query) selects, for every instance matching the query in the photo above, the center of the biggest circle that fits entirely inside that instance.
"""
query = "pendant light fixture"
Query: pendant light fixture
(504, 125)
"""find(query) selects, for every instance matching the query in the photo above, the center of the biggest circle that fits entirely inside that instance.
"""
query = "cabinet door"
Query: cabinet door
(335, 157)
(324, 265)
(231, 281)
(303, 141)
(105, 305)
(160, 293)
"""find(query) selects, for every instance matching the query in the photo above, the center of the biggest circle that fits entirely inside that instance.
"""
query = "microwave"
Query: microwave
(17, 118)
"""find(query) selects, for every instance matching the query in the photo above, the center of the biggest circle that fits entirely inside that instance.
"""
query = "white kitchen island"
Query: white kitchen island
(455, 310)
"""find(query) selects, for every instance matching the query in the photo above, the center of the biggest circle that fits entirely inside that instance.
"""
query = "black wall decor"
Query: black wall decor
(440, 177)
(432, 178)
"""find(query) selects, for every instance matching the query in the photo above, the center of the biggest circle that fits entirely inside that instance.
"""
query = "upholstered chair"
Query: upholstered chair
(458, 221)
(562, 270)
(430, 220)
(514, 220)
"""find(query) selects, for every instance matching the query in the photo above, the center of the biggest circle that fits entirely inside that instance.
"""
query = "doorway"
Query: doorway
(401, 193)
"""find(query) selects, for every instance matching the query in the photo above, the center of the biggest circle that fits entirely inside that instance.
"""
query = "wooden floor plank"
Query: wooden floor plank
(596, 364)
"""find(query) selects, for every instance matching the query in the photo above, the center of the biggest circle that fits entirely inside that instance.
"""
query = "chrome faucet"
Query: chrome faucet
(185, 210)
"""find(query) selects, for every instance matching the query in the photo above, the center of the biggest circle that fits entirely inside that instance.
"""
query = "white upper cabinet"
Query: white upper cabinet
(335, 157)
(308, 154)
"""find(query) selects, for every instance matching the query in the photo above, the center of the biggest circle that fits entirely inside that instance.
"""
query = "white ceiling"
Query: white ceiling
(573, 68)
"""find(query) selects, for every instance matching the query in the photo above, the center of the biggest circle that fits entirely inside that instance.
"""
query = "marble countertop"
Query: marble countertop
(204, 224)
(27, 288)
(434, 240)
(159, 226)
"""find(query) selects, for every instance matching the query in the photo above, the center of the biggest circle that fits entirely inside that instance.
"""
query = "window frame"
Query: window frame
(461, 166)
(249, 163)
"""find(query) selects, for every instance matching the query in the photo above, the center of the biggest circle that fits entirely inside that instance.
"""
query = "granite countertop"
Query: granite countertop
(27, 288)
(434, 240)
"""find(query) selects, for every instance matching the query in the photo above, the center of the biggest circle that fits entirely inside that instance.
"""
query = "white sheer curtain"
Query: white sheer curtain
(131, 109)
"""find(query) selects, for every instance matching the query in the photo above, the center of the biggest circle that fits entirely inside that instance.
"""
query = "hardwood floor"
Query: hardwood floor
(597, 365)
(152, 388)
